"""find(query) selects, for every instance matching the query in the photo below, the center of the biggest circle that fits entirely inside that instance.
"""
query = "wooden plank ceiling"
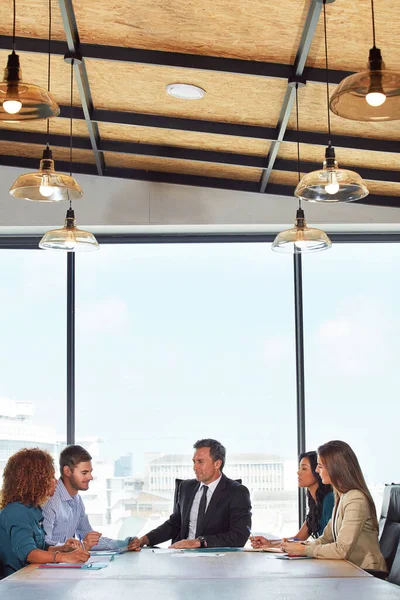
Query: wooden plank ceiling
(242, 54)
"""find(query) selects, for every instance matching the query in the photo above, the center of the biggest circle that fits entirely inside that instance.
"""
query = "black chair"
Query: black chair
(389, 523)
(177, 486)
(394, 575)
(389, 532)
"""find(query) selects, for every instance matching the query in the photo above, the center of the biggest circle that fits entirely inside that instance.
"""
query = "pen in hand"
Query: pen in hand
(250, 531)
(81, 541)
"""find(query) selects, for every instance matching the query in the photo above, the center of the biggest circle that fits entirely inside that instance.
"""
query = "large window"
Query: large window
(32, 352)
(352, 327)
(176, 342)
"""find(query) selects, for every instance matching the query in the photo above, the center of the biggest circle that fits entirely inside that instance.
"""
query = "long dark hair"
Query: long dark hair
(345, 472)
(315, 506)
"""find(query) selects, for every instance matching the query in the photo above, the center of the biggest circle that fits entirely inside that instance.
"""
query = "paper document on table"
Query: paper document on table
(197, 554)
(103, 552)
(287, 557)
(273, 550)
(60, 566)
(99, 559)
(94, 562)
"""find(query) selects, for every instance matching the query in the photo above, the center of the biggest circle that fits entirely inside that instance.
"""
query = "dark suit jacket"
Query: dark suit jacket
(226, 520)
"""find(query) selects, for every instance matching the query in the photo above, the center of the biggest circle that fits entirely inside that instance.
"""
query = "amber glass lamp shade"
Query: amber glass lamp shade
(372, 95)
(331, 184)
(301, 239)
(46, 185)
(69, 238)
(20, 101)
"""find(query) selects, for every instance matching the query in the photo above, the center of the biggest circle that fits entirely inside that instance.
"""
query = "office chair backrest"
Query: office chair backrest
(389, 524)
(177, 485)
(394, 575)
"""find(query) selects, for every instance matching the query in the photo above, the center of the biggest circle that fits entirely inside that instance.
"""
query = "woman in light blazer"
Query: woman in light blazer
(352, 532)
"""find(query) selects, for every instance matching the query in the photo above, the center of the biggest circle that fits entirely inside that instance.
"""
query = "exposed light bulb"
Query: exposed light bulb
(332, 186)
(375, 98)
(12, 107)
(70, 241)
(45, 188)
(300, 242)
(12, 104)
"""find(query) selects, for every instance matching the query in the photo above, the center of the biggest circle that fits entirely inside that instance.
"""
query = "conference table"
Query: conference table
(194, 575)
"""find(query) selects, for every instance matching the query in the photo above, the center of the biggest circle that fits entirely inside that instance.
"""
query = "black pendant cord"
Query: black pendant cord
(298, 138)
(327, 78)
(373, 22)
(70, 124)
(49, 73)
(14, 20)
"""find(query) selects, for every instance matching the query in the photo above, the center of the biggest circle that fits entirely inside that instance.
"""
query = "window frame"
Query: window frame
(32, 243)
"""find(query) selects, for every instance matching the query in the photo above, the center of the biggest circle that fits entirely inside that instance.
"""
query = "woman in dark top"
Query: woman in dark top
(320, 502)
(28, 481)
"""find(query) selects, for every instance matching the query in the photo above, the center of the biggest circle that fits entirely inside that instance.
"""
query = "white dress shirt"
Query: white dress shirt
(194, 511)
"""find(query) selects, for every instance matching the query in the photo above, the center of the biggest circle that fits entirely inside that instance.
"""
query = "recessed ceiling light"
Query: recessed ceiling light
(186, 91)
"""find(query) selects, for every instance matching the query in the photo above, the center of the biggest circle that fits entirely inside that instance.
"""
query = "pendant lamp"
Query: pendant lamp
(21, 101)
(46, 185)
(373, 94)
(69, 238)
(300, 239)
(330, 184)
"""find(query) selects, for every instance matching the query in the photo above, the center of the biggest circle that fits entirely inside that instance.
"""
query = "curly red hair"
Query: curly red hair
(27, 477)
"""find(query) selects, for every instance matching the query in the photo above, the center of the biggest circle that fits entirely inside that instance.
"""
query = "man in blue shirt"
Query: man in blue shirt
(64, 513)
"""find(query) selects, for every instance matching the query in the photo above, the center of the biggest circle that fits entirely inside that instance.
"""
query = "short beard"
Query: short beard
(73, 483)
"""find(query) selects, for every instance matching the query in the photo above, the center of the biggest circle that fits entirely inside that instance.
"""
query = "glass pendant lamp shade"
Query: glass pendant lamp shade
(301, 239)
(20, 101)
(46, 185)
(331, 184)
(69, 238)
(372, 95)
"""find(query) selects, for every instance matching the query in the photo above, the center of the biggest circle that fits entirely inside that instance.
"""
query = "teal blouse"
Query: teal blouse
(21, 531)
(327, 508)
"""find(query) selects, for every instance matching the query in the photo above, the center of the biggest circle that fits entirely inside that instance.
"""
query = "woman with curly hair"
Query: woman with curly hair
(28, 481)
(320, 502)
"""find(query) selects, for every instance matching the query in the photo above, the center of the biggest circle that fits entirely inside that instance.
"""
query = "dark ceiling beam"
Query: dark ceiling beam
(179, 153)
(32, 164)
(41, 139)
(137, 174)
(314, 138)
(175, 59)
(364, 172)
(370, 200)
(307, 36)
(132, 148)
(81, 78)
(182, 179)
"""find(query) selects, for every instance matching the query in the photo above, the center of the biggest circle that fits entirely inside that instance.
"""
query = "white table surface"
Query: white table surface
(231, 565)
(152, 576)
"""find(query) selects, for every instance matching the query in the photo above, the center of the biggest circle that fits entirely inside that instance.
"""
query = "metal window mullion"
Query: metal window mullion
(300, 383)
(70, 348)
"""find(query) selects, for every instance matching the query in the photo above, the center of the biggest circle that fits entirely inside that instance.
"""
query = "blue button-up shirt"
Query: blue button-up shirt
(21, 531)
(65, 517)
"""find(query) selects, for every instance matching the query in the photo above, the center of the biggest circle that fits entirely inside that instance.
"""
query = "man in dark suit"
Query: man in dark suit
(211, 511)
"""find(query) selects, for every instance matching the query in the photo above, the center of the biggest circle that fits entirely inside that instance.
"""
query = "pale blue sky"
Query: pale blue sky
(176, 342)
